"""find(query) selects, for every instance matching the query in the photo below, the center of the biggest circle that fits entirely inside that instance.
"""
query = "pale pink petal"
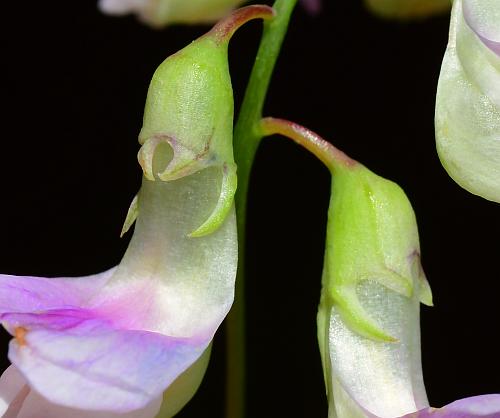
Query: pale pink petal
(36, 406)
(13, 390)
(483, 17)
(92, 366)
(27, 294)
(484, 406)
(121, 7)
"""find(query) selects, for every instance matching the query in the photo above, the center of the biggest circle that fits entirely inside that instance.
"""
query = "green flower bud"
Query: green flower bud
(372, 286)
(372, 236)
(189, 107)
(368, 318)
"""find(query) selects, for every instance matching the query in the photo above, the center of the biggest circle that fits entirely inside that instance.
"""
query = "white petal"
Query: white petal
(176, 285)
(468, 112)
(13, 390)
(382, 378)
(36, 406)
(121, 7)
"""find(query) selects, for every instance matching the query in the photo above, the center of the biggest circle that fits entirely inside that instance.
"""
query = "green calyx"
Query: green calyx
(372, 235)
(189, 108)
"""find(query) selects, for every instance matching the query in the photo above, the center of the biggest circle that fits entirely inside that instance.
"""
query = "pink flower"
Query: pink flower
(115, 341)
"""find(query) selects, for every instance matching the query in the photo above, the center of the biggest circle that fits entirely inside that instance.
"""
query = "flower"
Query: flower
(117, 340)
(404, 9)
(368, 318)
(113, 342)
(468, 98)
(158, 13)
(372, 285)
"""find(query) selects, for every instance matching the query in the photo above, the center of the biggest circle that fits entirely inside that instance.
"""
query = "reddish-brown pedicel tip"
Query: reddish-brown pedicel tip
(225, 28)
(331, 156)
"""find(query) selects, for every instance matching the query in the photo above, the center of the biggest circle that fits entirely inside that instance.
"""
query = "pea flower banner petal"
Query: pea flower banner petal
(115, 341)
(468, 99)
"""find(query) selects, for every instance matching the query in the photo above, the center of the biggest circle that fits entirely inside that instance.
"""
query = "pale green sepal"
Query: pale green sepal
(132, 213)
(357, 319)
(425, 291)
(392, 280)
(424, 288)
(146, 155)
(224, 204)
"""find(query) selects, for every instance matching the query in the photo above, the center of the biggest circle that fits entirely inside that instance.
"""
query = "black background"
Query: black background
(73, 96)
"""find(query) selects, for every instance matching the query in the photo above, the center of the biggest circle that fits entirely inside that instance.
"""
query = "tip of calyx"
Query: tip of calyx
(226, 27)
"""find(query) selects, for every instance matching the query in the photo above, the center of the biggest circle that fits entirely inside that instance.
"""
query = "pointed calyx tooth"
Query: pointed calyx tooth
(392, 280)
(132, 213)
(224, 203)
(346, 301)
(186, 161)
(417, 272)
(146, 155)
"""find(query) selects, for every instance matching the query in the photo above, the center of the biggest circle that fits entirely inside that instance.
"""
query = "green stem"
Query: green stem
(247, 136)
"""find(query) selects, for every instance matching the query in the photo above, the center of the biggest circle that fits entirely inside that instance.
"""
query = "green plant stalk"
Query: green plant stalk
(247, 136)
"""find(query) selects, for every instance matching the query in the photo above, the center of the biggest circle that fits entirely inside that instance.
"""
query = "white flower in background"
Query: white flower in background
(159, 13)
(468, 98)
